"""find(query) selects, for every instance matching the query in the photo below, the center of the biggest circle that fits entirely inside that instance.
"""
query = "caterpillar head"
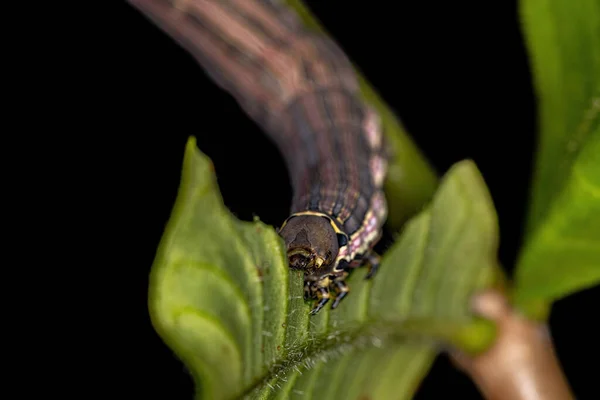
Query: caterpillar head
(311, 242)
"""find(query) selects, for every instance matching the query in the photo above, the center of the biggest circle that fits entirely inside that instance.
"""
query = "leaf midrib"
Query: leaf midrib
(392, 332)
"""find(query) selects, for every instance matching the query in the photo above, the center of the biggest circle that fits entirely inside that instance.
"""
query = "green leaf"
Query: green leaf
(562, 250)
(221, 296)
(411, 181)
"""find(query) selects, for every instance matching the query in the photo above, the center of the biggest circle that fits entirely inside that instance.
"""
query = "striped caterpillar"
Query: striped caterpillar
(301, 89)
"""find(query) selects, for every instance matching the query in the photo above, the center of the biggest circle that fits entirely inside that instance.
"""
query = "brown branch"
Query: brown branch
(522, 364)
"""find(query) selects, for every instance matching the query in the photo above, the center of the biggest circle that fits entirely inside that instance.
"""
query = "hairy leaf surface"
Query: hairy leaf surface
(221, 296)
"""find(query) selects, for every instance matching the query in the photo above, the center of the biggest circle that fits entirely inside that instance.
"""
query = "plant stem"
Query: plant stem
(521, 364)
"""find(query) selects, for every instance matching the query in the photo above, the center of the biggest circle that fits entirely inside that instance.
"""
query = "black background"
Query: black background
(457, 75)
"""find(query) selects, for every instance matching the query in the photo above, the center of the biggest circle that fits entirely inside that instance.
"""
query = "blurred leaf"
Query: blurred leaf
(562, 250)
(411, 181)
(221, 296)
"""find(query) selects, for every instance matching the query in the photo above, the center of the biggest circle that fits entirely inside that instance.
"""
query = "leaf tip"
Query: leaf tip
(467, 164)
(465, 170)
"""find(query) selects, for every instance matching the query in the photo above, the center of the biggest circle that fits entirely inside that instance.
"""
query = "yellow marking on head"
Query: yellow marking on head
(300, 251)
(316, 214)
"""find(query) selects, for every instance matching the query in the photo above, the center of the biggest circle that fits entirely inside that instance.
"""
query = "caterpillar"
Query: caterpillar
(302, 90)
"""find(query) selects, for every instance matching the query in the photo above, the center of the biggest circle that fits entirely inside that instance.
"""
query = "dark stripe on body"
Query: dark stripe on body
(340, 167)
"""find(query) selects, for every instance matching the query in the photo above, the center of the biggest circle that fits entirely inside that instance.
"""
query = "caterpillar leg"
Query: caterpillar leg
(374, 261)
(341, 289)
(323, 297)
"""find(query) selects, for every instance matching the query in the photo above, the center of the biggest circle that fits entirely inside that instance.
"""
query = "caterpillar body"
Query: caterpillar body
(300, 87)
